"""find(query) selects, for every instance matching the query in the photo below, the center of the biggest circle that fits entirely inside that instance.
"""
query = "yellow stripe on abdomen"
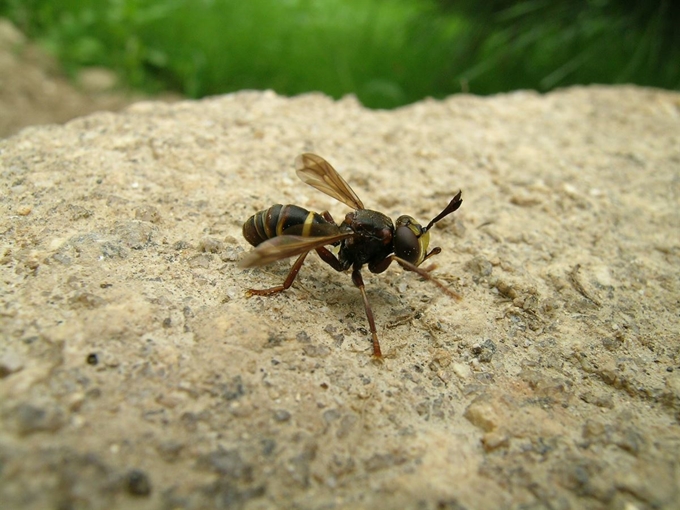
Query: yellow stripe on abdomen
(307, 227)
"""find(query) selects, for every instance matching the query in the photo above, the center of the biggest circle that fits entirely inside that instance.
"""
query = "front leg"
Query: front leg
(425, 274)
(380, 266)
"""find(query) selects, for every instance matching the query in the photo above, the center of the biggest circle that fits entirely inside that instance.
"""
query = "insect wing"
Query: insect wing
(314, 230)
(318, 173)
(282, 247)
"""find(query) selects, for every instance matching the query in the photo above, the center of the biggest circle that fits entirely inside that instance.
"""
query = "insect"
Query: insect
(364, 237)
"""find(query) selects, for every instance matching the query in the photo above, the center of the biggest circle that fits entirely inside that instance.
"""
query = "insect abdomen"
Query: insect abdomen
(276, 220)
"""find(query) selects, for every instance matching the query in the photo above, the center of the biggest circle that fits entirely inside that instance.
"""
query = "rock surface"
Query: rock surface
(134, 373)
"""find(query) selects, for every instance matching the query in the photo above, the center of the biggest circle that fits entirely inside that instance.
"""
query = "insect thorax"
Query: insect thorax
(373, 240)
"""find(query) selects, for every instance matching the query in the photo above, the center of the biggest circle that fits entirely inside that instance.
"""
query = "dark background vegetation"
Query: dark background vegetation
(387, 52)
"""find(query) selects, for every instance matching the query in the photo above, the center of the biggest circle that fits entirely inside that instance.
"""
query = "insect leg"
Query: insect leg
(330, 259)
(359, 282)
(286, 284)
(422, 272)
(380, 266)
(327, 216)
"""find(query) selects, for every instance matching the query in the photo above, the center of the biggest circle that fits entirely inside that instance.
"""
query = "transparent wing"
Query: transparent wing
(282, 247)
(315, 230)
(318, 173)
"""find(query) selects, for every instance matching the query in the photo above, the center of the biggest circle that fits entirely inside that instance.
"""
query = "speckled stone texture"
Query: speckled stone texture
(135, 373)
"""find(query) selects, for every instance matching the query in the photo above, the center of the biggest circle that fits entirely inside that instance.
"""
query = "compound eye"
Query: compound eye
(406, 245)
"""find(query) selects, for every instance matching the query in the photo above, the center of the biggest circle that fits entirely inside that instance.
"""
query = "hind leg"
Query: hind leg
(286, 284)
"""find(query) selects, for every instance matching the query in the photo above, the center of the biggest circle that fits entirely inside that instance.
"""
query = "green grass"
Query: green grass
(549, 43)
(387, 52)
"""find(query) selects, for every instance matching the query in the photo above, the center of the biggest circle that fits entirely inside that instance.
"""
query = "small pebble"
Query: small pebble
(138, 483)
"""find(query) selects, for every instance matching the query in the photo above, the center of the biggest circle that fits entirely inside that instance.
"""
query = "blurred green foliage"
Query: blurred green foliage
(543, 44)
(387, 52)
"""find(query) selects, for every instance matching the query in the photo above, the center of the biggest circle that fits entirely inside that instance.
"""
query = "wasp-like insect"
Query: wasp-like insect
(364, 237)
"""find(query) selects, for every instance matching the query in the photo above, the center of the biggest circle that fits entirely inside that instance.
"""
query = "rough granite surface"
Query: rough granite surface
(135, 373)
